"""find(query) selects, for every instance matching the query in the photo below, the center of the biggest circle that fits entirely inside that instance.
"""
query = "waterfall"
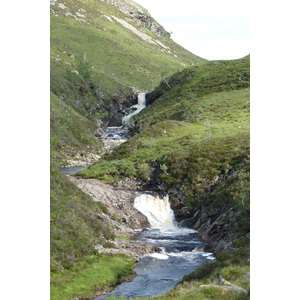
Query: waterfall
(138, 107)
(142, 99)
(157, 210)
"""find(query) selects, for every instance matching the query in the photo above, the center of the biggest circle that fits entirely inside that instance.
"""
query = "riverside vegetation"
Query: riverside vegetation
(192, 141)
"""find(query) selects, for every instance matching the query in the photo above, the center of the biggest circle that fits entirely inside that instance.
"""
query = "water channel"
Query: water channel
(181, 250)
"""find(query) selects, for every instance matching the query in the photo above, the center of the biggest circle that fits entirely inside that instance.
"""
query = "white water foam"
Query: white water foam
(211, 258)
(159, 256)
(157, 210)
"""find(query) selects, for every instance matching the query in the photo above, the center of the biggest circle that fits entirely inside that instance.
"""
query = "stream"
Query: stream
(71, 170)
(181, 251)
(114, 136)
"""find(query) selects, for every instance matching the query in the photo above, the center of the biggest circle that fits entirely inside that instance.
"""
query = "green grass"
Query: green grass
(77, 270)
(193, 140)
(118, 58)
(190, 141)
(96, 273)
(188, 98)
(70, 132)
(75, 228)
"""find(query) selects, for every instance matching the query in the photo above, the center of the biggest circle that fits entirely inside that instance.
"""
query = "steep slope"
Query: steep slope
(193, 142)
(70, 132)
(102, 51)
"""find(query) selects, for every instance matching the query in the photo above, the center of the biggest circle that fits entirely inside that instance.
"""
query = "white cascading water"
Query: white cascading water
(181, 251)
(157, 210)
(140, 106)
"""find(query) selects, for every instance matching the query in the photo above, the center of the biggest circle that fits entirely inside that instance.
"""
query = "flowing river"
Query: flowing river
(181, 251)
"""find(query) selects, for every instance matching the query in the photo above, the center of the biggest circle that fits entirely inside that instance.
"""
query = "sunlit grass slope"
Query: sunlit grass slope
(117, 56)
(192, 136)
(70, 132)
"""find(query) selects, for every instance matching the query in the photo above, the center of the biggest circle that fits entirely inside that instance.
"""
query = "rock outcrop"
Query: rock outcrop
(140, 15)
(117, 104)
(122, 218)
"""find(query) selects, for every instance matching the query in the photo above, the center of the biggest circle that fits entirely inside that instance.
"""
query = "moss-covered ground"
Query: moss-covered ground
(70, 132)
(95, 273)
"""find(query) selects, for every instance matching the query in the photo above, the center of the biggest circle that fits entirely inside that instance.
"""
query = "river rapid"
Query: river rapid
(181, 251)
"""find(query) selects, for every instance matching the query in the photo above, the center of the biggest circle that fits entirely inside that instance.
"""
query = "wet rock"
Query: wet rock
(116, 105)
(132, 249)
(99, 133)
(130, 184)
(227, 286)
(81, 159)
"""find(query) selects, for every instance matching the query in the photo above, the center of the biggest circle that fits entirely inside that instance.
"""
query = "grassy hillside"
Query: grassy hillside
(195, 131)
(70, 132)
(76, 267)
(194, 140)
(117, 57)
